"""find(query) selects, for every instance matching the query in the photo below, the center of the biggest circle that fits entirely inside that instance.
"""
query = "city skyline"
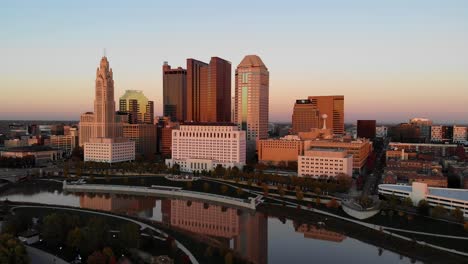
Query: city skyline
(412, 53)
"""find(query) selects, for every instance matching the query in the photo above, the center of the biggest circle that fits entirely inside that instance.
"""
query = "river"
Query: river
(258, 238)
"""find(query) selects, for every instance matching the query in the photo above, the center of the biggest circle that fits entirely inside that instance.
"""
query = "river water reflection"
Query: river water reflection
(256, 237)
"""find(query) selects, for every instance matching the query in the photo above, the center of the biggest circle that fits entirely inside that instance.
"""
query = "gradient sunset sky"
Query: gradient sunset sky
(392, 60)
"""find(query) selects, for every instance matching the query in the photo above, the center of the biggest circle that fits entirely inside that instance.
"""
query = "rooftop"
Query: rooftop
(30, 149)
(251, 61)
(208, 124)
(458, 194)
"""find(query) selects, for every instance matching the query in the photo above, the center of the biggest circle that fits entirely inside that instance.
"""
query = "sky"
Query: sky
(392, 60)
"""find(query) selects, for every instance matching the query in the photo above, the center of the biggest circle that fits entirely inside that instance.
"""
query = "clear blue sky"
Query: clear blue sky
(391, 59)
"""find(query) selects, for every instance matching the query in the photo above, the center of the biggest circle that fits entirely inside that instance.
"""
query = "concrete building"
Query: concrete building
(208, 90)
(64, 142)
(144, 136)
(381, 131)
(441, 134)
(41, 154)
(274, 151)
(137, 106)
(252, 99)
(203, 146)
(424, 126)
(446, 197)
(100, 132)
(366, 129)
(174, 93)
(460, 134)
(358, 149)
(109, 150)
(328, 162)
(305, 116)
(440, 150)
(333, 107)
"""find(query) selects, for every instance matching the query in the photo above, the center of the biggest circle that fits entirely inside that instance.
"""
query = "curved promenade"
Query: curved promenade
(384, 229)
(141, 224)
(164, 191)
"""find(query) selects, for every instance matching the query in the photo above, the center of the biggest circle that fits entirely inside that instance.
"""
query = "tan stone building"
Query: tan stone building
(275, 151)
(144, 136)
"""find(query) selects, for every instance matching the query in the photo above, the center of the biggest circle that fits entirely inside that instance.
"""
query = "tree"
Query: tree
(52, 229)
(333, 203)
(97, 258)
(281, 191)
(465, 226)
(12, 251)
(423, 207)
(74, 238)
(438, 211)
(299, 195)
(224, 189)
(130, 235)
(407, 202)
(228, 258)
(265, 189)
(457, 214)
(239, 191)
(188, 185)
(206, 187)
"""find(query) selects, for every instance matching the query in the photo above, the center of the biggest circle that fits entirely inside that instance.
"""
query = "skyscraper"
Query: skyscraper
(174, 93)
(305, 116)
(104, 104)
(208, 90)
(137, 106)
(366, 129)
(102, 134)
(251, 92)
(333, 107)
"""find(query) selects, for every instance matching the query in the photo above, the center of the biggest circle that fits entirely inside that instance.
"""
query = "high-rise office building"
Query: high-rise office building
(174, 93)
(424, 126)
(208, 90)
(366, 129)
(252, 92)
(333, 107)
(305, 116)
(139, 108)
(100, 133)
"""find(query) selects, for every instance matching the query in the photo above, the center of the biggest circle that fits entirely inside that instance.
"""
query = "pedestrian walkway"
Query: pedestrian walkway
(38, 256)
(141, 224)
(386, 230)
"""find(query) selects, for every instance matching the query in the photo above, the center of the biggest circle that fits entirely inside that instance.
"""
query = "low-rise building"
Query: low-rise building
(446, 197)
(358, 149)
(328, 162)
(203, 146)
(460, 134)
(440, 150)
(41, 154)
(64, 142)
(109, 150)
(274, 151)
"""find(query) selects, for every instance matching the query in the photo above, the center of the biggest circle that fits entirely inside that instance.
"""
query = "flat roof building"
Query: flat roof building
(203, 146)
(329, 162)
(446, 197)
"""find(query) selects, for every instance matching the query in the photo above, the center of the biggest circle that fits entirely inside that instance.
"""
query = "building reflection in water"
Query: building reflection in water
(141, 206)
(320, 233)
(244, 231)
